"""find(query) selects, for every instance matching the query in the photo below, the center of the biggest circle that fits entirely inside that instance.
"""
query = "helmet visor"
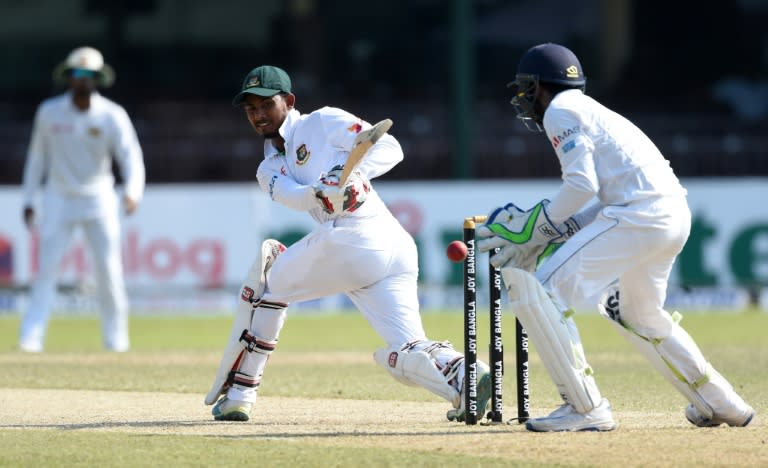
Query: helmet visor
(524, 100)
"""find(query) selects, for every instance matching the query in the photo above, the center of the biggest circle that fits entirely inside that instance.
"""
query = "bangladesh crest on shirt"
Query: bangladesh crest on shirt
(302, 155)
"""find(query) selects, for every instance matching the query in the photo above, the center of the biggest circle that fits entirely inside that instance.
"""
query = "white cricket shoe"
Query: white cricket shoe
(30, 347)
(483, 395)
(566, 418)
(231, 410)
(120, 346)
(740, 420)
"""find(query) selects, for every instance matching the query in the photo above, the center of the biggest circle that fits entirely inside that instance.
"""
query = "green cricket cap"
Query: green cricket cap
(266, 81)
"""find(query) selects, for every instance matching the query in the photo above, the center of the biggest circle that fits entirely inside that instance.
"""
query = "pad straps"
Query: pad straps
(254, 344)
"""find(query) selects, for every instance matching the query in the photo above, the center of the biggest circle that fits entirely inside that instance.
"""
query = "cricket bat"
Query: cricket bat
(363, 142)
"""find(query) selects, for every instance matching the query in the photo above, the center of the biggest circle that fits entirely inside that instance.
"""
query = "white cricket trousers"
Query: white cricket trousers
(98, 217)
(636, 245)
(373, 261)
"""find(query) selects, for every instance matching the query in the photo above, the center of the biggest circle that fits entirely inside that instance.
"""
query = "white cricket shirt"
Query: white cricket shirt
(602, 154)
(314, 144)
(75, 148)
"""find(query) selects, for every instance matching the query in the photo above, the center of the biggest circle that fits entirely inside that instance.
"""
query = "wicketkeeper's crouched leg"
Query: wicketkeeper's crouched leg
(552, 330)
(674, 354)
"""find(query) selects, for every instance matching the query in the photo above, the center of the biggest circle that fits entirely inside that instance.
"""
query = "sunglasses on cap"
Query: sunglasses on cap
(82, 73)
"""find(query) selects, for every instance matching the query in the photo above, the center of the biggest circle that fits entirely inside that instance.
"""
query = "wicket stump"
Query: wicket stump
(495, 347)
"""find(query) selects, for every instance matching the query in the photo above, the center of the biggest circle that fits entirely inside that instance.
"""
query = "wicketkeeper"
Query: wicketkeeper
(358, 248)
(616, 253)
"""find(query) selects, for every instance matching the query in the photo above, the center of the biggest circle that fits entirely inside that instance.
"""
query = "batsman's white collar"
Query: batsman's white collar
(286, 131)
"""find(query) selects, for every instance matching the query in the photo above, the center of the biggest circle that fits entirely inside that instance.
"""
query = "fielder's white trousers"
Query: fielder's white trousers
(98, 217)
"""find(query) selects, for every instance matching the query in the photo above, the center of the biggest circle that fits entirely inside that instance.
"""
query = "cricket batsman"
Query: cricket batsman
(357, 248)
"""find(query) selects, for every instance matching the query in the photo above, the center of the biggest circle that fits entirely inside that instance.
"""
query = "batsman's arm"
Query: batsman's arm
(381, 158)
(363, 143)
(283, 188)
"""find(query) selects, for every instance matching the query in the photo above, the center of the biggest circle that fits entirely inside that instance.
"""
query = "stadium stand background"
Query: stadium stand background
(693, 76)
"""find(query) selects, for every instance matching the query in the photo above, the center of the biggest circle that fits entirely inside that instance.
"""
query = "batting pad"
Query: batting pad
(416, 368)
(232, 357)
(556, 339)
(676, 357)
(252, 289)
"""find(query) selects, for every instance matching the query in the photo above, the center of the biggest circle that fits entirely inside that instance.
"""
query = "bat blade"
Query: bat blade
(363, 143)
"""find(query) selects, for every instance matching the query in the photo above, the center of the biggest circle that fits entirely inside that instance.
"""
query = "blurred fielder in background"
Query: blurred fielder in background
(74, 138)
(358, 248)
(617, 252)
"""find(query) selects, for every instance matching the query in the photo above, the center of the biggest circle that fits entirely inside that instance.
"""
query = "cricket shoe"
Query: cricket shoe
(231, 410)
(483, 395)
(698, 419)
(566, 418)
(120, 347)
(30, 347)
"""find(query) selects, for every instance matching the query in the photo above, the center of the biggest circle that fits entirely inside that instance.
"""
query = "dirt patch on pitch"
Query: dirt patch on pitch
(178, 413)
(178, 358)
(643, 439)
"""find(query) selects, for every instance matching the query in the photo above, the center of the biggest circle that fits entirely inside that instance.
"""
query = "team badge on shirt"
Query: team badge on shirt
(355, 127)
(302, 155)
(94, 131)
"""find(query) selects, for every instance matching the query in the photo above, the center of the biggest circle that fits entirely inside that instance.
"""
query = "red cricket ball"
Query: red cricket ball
(457, 251)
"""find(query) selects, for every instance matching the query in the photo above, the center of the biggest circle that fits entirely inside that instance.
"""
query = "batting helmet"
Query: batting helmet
(85, 58)
(544, 63)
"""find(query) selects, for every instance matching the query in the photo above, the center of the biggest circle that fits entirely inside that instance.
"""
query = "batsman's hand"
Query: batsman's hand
(336, 200)
(524, 238)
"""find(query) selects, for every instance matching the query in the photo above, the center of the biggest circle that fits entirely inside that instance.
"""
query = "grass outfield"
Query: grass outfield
(323, 401)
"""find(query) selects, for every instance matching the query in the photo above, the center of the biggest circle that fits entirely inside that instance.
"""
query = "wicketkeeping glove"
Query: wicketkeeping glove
(523, 237)
(339, 200)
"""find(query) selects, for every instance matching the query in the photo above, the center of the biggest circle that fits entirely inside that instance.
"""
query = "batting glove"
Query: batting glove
(336, 200)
